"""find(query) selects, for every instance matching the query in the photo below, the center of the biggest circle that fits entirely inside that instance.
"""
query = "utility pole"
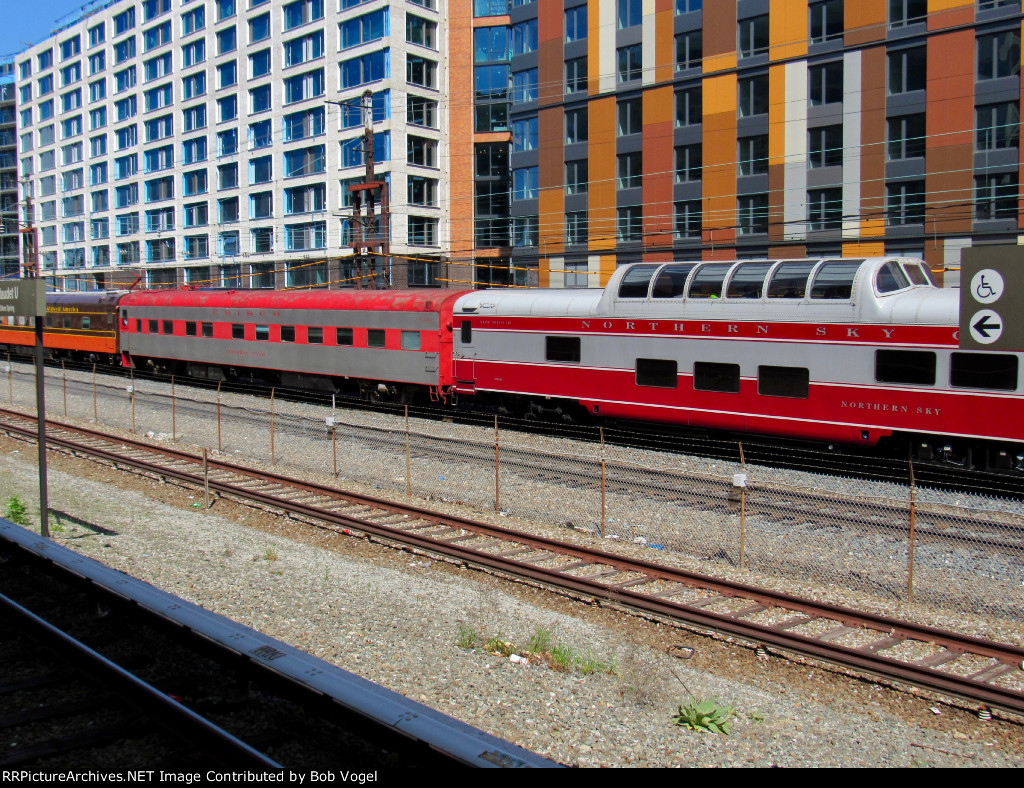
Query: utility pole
(366, 236)
(29, 242)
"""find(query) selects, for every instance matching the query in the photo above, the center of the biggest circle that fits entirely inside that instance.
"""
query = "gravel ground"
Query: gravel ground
(394, 617)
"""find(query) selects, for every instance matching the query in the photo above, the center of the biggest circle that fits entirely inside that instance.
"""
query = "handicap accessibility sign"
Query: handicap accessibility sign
(992, 298)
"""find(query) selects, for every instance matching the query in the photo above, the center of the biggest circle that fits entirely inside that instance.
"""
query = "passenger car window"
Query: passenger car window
(287, 333)
(748, 280)
(708, 376)
(915, 367)
(636, 281)
(410, 340)
(262, 333)
(658, 373)
(238, 331)
(790, 280)
(344, 336)
(375, 337)
(707, 281)
(997, 371)
(315, 335)
(834, 281)
(671, 281)
(791, 382)
(565, 349)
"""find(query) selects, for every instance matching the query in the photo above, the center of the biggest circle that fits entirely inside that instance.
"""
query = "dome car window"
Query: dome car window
(636, 281)
(834, 280)
(671, 281)
(748, 280)
(707, 281)
(790, 280)
(890, 278)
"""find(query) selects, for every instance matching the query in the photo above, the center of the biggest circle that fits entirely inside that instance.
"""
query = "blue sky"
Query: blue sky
(30, 21)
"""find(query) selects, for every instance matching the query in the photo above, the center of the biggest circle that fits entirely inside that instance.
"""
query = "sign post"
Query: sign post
(26, 298)
(991, 288)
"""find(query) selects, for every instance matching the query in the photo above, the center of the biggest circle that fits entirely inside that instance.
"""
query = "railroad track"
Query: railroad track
(847, 461)
(104, 671)
(978, 671)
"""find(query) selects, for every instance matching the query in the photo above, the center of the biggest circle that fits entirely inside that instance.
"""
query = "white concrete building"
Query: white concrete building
(201, 142)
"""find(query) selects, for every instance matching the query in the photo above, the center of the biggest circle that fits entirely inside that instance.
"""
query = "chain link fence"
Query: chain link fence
(905, 543)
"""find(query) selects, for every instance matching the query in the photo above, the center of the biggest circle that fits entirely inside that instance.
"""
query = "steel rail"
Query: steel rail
(866, 659)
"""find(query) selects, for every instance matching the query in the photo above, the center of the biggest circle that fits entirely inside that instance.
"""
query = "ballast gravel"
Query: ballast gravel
(395, 617)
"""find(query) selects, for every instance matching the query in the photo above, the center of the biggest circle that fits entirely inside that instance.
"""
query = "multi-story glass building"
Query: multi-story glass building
(9, 253)
(660, 129)
(212, 142)
(521, 142)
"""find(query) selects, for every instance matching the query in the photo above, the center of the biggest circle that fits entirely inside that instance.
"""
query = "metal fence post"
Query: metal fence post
(910, 546)
(220, 446)
(131, 390)
(604, 510)
(408, 460)
(95, 408)
(174, 413)
(10, 378)
(497, 472)
(65, 371)
(743, 510)
(206, 481)
(272, 426)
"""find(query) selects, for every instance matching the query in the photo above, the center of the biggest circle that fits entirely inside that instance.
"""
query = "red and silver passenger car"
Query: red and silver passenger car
(854, 351)
(389, 344)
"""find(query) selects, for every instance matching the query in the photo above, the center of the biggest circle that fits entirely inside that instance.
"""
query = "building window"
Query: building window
(576, 176)
(630, 60)
(525, 134)
(907, 12)
(689, 49)
(824, 209)
(302, 50)
(156, 36)
(259, 63)
(688, 219)
(301, 12)
(753, 36)
(259, 28)
(630, 170)
(826, 83)
(753, 98)
(361, 70)
(999, 55)
(576, 229)
(420, 71)
(906, 137)
(997, 125)
(227, 40)
(422, 231)
(689, 109)
(630, 13)
(524, 86)
(907, 70)
(423, 112)
(305, 161)
(904, 203)
(525, 183)
(752, 214)
(753, 154)
(524, 37)
(362, 29)
(420, 31)
(576, 75)
(227, 74)
(194, 183)
(423, 152)
(304, 86)
(995, 196)
(629, 223)
(524, 231)
(261, 205)
(630, 116)
(259, 99)
(825, 146)
(575, 125)
(826, 20)
(689, 166)
(575, 23)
